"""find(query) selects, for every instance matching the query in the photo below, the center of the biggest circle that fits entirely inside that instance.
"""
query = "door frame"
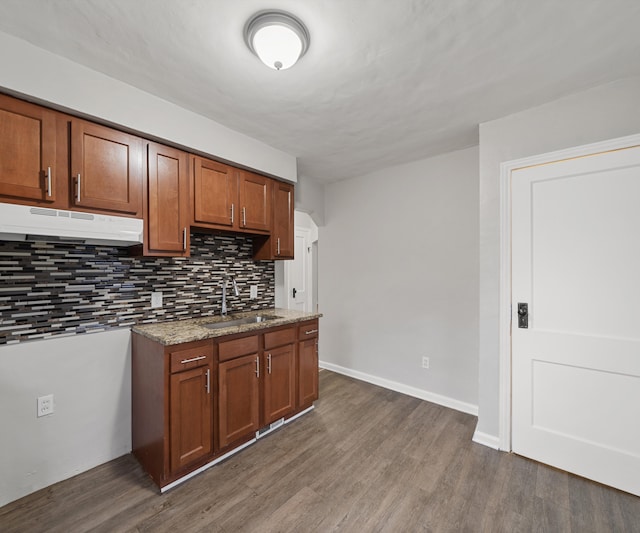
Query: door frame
(308, 274)
(506, 169)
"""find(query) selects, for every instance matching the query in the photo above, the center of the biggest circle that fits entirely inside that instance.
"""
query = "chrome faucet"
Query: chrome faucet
(225, 278)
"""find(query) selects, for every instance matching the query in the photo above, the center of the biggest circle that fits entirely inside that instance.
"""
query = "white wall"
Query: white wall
(601, 113)
(52, 79)
(310, 198)
(90, 378)
(399, 278)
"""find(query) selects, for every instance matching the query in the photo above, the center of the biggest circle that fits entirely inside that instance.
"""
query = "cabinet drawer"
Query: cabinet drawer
(281, 337)
(237, 347)
(308, 330)
(191, 355)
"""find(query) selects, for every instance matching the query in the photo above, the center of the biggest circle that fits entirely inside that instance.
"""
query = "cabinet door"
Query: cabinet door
(279, 383)
(27, 150)
(167, 190)
(190, 418)
(106, 169)
(307, 372)
(238, 398)
(255, 202)
(282, 233)
(215, 194)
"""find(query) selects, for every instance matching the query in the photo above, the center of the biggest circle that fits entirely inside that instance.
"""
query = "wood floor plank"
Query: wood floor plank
(365, 460)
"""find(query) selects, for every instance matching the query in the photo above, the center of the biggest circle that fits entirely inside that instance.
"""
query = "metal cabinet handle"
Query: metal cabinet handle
(49, 182)
(200, 358)
(316, 346)
(244, 216)
(233, 209)
(311, 331)
(278, 252)
(184, 238)
(208, 381)
(258, 366)
(78, 195)
(269, 363)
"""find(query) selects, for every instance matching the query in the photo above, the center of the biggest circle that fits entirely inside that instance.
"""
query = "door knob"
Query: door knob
(294, 291)
(523, 315)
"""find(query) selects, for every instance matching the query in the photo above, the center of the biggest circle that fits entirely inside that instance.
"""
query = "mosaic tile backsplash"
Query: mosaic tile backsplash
(50, 289)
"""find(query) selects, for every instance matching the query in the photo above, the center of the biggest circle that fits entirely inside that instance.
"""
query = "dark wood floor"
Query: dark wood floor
(366, 459)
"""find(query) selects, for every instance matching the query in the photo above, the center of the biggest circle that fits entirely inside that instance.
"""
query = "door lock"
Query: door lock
(294, 292)
(523, 315)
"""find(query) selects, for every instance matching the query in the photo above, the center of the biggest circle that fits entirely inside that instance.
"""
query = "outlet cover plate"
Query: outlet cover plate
(45, 405)
(425, 362)
(253, 292)
(156, 300)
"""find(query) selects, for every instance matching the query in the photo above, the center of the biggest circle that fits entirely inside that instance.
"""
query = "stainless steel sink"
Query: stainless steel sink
(239, 321)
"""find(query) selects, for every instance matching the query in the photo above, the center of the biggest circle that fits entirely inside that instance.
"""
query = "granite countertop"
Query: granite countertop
(179, 331)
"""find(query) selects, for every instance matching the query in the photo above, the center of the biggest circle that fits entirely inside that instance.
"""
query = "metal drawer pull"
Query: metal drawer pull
(232, 212)
(49, 182)
(244, 216)
(199, 358)
(184, 239)
(258, 366)
(78, 197)
(278, 253)
(311, 332)
(208, 380)
(269, 363)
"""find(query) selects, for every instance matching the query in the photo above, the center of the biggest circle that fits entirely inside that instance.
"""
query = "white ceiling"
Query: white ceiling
(383, 82)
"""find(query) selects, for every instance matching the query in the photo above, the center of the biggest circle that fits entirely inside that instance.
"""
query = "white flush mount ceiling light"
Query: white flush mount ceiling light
(278, 38)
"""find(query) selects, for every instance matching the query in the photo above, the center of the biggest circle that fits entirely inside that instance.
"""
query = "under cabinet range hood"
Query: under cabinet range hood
(22, 222)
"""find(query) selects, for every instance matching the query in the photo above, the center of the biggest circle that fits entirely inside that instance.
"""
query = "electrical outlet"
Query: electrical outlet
(253, 292)
(425, 362)
(156, 300)
(45, 405)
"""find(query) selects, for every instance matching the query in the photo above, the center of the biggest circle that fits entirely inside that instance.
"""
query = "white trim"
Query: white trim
(404, 389)
(207, 466)
(486, 440)
(506, 168)
(298, 415)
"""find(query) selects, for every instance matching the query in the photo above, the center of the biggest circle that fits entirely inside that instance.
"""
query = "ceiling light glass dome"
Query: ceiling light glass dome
(279, 39)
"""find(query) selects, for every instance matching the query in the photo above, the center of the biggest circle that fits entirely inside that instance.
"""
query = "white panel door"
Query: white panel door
(298, 273)
(576, 368)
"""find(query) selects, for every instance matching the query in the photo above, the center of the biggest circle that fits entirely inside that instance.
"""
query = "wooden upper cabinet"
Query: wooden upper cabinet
(280, 243)
(255, 202)
(282, 232)
(106, 169)
(28, 169)
(166, 214)
(214, 194)
(226, 198)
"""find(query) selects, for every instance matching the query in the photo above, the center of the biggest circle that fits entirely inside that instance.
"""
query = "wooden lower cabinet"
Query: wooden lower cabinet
(194, 402)
(279, 383)
(307, 363)
(172, 406)
(190, 420)
(239, 393)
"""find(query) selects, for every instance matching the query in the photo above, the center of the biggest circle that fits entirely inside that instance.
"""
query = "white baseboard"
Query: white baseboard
(486, 440)
(404, 389)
